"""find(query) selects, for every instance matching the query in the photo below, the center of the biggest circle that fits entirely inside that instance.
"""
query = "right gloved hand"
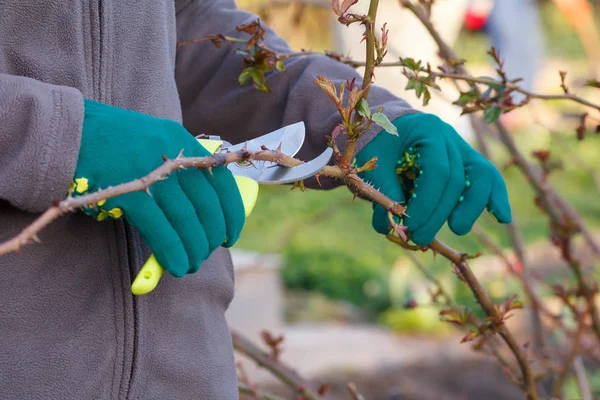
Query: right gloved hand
(442, 176)
(187, 216)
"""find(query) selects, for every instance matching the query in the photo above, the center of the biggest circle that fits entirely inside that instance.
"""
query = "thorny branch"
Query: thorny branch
(263, 359)
(70, 204)
(369, 22)
(245, 389)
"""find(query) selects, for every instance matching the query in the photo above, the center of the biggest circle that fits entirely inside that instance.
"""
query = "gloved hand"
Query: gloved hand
(187, 216)
(452, 182)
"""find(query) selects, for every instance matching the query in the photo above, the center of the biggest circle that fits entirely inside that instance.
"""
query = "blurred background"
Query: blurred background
(352, 305)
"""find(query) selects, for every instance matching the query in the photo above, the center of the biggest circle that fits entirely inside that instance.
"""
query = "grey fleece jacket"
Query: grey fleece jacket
(69, 326)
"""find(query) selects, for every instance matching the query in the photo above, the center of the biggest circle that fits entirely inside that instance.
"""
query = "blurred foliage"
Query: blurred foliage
(339, 275)
(302, 306)
(572, 387)
(420, 320)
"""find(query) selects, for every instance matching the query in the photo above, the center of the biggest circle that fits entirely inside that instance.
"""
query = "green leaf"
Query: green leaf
(432, 84)
(593, 83)
(492, 114)
(466, 98)
(426, 96)
(383, 121)
(411, 84)
(410, 63)
(244, 76)
(279, 66)
(259, 81)
(498, 87)
(363, 109)
(419, 87)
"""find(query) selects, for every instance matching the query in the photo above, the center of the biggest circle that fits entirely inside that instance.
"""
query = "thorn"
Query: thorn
(165, 159)
(279, 147)
(210, 170)
(55, 203)
(434, 253)
(245, 148)
(147, 190)
(180, 155)
(263, 147)
(36, 238)
(317, 177)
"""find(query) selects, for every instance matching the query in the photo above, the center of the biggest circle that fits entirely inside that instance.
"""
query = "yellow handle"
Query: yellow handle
(151, 272)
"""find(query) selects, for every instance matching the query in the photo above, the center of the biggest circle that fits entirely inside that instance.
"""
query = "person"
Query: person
(515, 30)
(92, 94)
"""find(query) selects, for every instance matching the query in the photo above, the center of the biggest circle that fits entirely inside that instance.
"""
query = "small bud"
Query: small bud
(410, 304)
(368, 166)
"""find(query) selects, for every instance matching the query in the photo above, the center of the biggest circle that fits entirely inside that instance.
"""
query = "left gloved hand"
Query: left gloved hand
(452, 182)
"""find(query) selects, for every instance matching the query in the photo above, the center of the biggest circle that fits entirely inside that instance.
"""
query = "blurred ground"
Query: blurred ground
(389, 367)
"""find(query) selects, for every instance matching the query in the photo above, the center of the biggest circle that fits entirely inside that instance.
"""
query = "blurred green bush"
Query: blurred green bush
(339, 276)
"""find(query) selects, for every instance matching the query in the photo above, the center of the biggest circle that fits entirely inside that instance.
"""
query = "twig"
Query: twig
(523, 276)
(370, 32)
(244, 389)
(282, 372)
(440, 291)
(516, 88)
(490, 309)
(572, 157)
(369, 23)
(582, 381)
(243, 379)
(510, 370)
(573, 353)
(354, 392)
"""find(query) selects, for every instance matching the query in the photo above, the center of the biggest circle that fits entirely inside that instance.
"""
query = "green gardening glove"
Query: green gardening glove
(187, 215)
(441, 175)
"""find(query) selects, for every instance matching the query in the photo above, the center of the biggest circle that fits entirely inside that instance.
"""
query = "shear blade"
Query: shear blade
(290, 138)
(278, 175)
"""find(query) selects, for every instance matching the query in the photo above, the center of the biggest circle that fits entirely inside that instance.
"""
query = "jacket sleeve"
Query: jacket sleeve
(40, 133)
(213, 102)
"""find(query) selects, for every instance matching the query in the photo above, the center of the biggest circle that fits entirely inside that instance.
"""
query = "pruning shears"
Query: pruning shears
(248, 176)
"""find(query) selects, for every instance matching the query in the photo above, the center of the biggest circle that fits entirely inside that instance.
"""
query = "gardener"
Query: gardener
(97, 91)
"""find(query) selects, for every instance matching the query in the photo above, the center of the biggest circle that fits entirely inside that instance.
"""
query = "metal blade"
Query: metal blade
(278, 175)
(291, 138)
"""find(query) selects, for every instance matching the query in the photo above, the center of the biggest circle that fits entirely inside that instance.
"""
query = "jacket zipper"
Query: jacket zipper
(132, 259)
(126, 233)
(100, 49)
